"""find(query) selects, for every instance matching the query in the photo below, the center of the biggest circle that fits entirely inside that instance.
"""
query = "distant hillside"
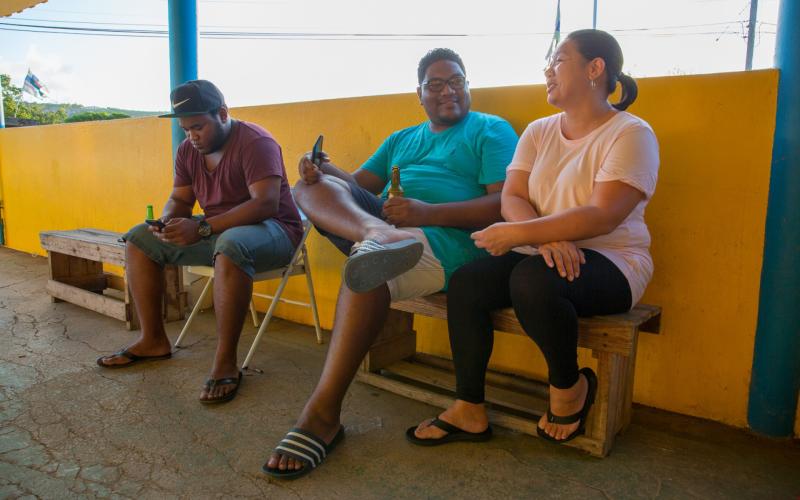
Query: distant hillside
(73, 109)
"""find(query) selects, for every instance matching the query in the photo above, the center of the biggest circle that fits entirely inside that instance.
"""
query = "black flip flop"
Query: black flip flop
(133, 359)
(304, 447)
(371, 263)
(210, 383)
(454, 434)
(580, 416)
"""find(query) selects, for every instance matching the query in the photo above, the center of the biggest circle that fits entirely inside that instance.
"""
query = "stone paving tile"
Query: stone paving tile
(69, 429)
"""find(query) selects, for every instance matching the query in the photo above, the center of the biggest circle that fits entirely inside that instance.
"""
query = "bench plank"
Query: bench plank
(90, 300)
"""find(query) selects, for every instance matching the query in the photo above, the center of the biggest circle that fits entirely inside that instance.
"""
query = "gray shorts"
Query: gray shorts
(254, 249)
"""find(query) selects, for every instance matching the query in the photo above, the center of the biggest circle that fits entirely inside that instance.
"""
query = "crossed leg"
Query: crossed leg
(330, 205)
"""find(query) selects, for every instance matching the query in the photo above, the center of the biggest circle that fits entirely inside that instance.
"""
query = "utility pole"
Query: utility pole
(751, 33)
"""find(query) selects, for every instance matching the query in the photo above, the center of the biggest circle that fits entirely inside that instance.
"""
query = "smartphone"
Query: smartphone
(316, 152)
(155, 223)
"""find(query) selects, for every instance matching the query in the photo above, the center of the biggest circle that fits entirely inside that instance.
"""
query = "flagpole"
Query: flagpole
(594, 16)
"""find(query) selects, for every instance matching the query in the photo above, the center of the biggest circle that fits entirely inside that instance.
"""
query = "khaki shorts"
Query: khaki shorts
(425, 278)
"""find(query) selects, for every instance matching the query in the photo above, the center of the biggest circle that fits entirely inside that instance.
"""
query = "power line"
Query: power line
(324, 36)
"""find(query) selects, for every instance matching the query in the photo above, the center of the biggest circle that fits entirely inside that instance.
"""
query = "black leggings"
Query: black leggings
(546, 305)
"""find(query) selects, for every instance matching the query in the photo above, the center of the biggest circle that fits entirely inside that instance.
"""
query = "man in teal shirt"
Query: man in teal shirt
(452, 169)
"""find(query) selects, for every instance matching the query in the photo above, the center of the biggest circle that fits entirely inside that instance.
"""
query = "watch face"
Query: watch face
(204, 229)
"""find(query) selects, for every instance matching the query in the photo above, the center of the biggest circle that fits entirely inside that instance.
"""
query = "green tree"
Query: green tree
(14, 106)
(88, 116)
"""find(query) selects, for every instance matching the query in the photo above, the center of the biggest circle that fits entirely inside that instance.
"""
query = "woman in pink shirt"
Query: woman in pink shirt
(574, 241)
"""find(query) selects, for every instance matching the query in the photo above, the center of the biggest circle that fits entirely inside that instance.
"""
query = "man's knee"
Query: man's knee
(139, 233)
(326, 187)
(231, 247)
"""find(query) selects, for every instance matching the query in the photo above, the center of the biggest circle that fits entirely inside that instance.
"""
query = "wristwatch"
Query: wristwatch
(204, 229)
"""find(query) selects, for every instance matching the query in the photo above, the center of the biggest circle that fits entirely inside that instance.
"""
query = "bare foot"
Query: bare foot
(141, 347)
(564, 402)
(387, 234)
(321, 426)
(466, 416)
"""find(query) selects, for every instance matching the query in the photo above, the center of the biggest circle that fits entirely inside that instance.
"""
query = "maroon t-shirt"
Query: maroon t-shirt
(252, 154)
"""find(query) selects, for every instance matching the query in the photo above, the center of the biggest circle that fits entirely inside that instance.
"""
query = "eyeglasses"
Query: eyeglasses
(457, 82)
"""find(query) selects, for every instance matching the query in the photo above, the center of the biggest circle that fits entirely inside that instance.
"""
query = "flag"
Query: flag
(556, 33)
(33, 86)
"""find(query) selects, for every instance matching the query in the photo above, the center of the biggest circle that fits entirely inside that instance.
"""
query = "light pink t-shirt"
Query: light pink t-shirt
(563, 173)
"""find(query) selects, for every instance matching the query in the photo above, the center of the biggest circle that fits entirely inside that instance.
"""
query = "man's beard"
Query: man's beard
(219, 139)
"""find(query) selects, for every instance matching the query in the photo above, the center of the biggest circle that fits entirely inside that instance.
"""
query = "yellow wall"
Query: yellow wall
(707, 217)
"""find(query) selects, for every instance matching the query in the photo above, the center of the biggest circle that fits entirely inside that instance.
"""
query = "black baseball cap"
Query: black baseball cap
(195, 97)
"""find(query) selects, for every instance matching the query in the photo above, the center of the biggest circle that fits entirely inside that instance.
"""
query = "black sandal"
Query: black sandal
(304, 447)
(580, 416)
(212, 382)
(131, 357)
(453, 435)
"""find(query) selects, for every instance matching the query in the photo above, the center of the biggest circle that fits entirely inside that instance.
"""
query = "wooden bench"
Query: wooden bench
(76, 261)
(513, 401)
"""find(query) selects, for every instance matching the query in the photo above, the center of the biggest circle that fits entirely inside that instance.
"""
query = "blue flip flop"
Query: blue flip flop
(371, 263)
(580, 416)
(304, 447)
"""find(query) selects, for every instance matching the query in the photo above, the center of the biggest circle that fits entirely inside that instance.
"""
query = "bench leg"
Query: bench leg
(76, 271)
(629, 367)
(174, 296)
(611, 413)
(396, 341)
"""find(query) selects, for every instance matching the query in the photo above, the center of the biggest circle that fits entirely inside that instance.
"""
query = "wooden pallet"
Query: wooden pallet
(515, 402)
(76, 261)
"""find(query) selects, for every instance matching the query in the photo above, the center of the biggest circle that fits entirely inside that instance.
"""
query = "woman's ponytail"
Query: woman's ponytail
(629, 91)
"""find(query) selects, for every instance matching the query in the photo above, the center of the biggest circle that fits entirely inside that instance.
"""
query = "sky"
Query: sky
(272, 51)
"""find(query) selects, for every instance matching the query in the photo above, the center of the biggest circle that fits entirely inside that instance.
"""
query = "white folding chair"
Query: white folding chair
(298, 265)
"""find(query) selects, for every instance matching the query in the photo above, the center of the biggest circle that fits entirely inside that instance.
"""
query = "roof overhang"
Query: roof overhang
(10, 7)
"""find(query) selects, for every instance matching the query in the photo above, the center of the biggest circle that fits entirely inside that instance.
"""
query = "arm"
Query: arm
(516, 205)
(611, 202)
(263, 204)
(478, 212)
(311, 174)
(179, 204)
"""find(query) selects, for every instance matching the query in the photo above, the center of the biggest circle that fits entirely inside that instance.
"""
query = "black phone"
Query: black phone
(155, 223)
(316, 152)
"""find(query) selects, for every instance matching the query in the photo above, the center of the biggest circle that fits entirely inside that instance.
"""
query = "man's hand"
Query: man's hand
(310, 173)
(407, 212)
(565, 256)
(179, 231)
(496, 239)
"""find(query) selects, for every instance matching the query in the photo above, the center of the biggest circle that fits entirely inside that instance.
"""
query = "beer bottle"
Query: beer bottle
(149, 212)
(395, 189)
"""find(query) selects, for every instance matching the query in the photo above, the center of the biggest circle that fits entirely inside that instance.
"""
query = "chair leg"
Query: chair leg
(312, 297)
(266, 319)
(195, 310)
(253, 313)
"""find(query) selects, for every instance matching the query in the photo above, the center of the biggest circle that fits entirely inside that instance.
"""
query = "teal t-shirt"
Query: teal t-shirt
(449, 166)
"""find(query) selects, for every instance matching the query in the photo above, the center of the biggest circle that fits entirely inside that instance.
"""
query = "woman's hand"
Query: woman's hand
(565, 256)
(496, 239)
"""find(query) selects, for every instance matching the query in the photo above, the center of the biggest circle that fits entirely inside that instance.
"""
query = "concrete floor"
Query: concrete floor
(71, 430)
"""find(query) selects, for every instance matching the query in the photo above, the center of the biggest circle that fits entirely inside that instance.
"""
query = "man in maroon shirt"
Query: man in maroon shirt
(235, 171)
